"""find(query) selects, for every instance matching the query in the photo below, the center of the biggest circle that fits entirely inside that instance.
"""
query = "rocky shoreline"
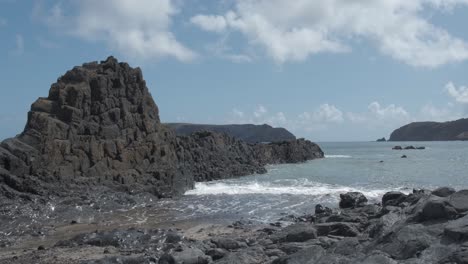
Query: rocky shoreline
(99, 126)
(421, 227)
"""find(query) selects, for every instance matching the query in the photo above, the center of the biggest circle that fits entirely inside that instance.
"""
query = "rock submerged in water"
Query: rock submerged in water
(99, 126)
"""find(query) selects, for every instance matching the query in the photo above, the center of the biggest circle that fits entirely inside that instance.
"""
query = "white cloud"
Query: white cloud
(139, 29)
(460, 94)
(237, 114)
(328, 113)
(260, 111)
(295, 30)
(19, 48)
(429, 112)
(210, 23)
(389, 112)
(222, 50)
(390, 116)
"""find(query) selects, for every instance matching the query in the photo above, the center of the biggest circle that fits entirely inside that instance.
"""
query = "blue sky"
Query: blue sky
(326, 70)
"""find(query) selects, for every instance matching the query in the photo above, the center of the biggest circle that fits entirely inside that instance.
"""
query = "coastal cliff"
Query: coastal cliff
(247, 132)
(99, 126)
(432, 131)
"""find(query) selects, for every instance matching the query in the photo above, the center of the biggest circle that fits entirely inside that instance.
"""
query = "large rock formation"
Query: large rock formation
(432, 131)
(100, 126)
(247, 132)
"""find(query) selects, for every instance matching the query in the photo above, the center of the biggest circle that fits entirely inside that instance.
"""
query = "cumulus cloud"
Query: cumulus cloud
(429, 112)
(459, 94)
(295, 30)
(210, 23)
(260, 111)
(325, 113)
(378, 115)
(139, 29)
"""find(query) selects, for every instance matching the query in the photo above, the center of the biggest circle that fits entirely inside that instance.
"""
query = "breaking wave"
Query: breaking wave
(303, 187)
(338, 156)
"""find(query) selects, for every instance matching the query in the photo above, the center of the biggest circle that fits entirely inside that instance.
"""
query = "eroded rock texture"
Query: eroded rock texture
(100, 125)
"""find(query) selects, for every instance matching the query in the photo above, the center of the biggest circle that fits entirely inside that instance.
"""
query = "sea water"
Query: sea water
(372, 168)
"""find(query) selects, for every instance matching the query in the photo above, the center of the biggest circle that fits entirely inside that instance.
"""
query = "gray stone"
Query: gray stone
(443, 191)
(299, 232)
(352, 200)
(459, 200)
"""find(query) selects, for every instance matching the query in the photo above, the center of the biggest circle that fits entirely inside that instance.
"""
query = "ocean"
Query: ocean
(372, 168)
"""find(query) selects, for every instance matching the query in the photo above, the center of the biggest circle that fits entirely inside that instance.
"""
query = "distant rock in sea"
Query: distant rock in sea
(432, 131)
(99, 126)
(381, 140)
(247, 132)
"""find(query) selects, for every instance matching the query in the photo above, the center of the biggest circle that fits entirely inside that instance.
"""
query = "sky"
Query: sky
(334, 70)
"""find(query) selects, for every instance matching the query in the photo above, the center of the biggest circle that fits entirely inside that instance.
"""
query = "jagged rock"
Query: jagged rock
(228, 243)
(393, 198)
(337, 229)
(295, 151)
(99, 125)
(457, 230)
(299, 232)
(352, 200)
(437, 208)
(307, 255)
(443, 191)
(459, 200)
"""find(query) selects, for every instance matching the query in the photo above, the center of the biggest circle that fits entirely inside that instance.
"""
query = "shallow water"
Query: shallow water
(289, 189)
(356, 166)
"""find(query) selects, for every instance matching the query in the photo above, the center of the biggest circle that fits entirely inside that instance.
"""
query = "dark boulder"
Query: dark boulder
(410, 147)
(337, 229)
(397, 148)
(352, 200)
(443, 191)
(228, 243)
(393, 198)
(459, 200)
(299, 232)
(308, 255)
(457, 230)
(437, 208)
(319, 209)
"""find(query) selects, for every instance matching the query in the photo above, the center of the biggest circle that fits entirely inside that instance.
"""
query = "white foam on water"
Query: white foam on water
(338, 156)
(301, 188)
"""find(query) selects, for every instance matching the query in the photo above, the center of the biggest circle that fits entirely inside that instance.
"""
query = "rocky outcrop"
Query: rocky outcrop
(294, 151)
(432, 131)
(99, 125)
(246, 132)
(213, 156)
